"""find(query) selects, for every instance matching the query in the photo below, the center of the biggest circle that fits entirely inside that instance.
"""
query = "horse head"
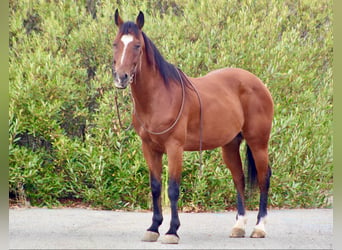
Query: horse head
(128, 47)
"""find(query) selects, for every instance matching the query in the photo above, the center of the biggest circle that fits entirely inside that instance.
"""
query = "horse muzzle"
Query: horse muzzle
(121, 81)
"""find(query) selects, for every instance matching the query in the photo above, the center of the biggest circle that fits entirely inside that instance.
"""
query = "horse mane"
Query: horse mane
(167, 70)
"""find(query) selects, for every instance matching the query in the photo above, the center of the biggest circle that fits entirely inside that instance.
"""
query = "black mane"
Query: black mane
(167, 70)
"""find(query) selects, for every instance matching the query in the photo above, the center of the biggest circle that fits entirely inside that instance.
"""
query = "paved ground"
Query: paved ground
(91, 229)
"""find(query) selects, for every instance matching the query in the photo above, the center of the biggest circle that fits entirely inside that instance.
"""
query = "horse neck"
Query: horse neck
(149, 91)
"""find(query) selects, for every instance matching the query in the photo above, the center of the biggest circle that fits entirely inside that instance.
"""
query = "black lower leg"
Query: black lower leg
(157, 218)
(240, 188)
(173, 192)
(264, 197)
(262, 206)
(240, 205)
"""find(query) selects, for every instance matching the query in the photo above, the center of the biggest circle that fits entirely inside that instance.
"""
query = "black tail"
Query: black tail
(252, 171)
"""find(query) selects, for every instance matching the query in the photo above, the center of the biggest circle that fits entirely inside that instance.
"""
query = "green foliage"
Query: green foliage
(65, 142)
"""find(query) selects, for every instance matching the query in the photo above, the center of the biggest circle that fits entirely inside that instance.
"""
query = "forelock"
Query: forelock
(129, 28)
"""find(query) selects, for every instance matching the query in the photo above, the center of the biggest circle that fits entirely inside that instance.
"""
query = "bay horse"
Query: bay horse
(174, 113)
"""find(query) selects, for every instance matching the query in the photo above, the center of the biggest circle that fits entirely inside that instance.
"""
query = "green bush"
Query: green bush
(65, 141)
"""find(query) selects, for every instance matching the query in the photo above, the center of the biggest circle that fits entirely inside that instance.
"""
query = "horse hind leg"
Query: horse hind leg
(259, 171)
(231, 157)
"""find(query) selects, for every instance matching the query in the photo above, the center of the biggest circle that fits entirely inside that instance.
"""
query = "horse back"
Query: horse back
(238, 85)
(233, 101)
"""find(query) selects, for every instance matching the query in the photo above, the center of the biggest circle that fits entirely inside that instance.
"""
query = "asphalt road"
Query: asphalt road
(71, 228)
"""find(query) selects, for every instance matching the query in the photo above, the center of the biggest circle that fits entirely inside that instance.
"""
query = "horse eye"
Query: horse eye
(137, 46)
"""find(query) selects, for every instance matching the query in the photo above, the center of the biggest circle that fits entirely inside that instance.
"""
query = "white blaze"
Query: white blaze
(126, 39)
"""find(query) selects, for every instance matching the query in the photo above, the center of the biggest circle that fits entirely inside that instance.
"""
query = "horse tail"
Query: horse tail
(251, 169)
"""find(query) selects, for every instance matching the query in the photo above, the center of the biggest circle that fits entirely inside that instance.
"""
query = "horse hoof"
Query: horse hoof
(150, 236)
(237, 233)
(170, 239)
(258, 233)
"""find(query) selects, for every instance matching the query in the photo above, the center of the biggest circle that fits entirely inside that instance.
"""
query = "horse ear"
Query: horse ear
(140, 20)
(118, 20)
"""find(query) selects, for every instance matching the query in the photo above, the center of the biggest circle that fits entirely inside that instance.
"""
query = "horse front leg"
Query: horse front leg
(175, 159)
(154, 161)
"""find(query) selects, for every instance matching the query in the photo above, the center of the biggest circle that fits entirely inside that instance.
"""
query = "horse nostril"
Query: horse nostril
(123, 78)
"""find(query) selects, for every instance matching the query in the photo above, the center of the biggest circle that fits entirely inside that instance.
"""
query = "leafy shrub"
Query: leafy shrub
(64, 138)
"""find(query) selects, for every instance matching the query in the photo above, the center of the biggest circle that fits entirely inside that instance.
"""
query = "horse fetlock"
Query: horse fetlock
(238, 230)
(259, 230)
(157, 219)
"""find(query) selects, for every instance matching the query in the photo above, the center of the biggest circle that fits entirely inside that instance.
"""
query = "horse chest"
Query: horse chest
(152, 141)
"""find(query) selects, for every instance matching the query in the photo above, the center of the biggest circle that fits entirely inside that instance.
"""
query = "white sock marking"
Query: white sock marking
(126, 39)
(261, 225)
(241, 222)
